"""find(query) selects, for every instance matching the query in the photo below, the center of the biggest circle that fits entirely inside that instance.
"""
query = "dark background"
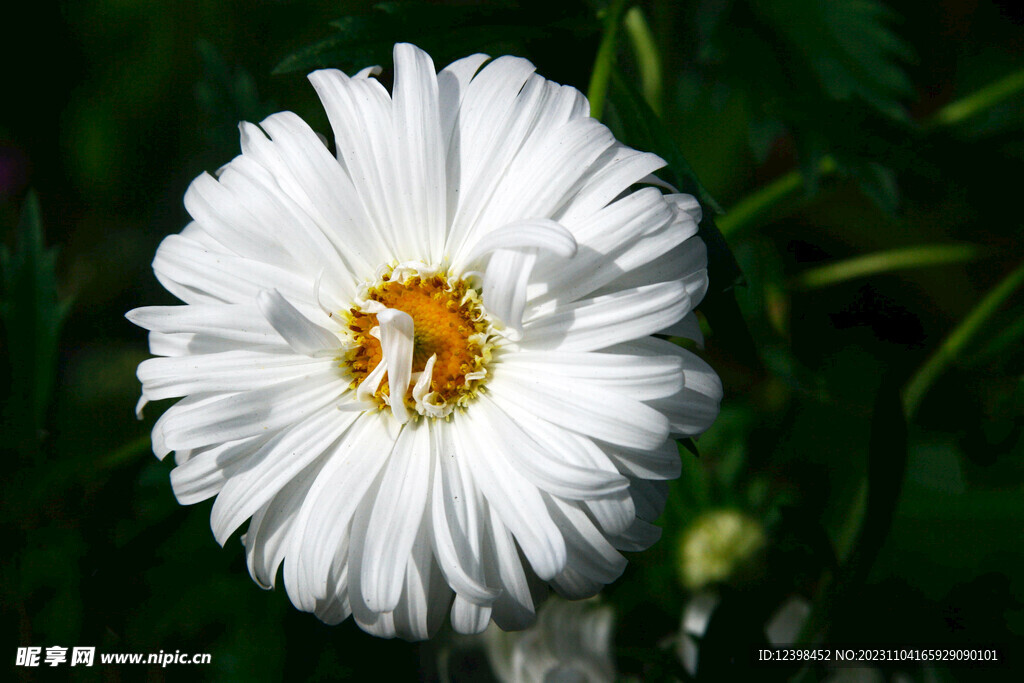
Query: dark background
(111, 107)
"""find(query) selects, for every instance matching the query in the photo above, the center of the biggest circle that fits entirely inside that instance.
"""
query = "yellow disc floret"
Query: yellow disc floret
(449, 325)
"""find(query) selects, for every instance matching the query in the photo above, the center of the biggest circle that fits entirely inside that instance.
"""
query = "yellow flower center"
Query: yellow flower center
(449, 324)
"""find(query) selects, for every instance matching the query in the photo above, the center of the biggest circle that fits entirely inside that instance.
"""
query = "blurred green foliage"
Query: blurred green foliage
(833, 133)
(32, 315)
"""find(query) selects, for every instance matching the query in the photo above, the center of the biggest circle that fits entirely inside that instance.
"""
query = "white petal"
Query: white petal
(686, 262)
(172, 344)
(690, 412)
(608, 241)
(239, 323)
(622, 168)
(693, 408)
(396, 340)
(203, 475)
(309, 174)
(650, 498)
(658, 463)
(609, 319)
(549, 471)
(505, 283)
(697, 374)
(591, 553)
(614, 513)
(335, 607)
(640, 536)
(195, 232)
(452, 82)
(456, 509)
(425, 600)
(495, 113)
(545, 172)
(297, 232)
(688, 328)
(422, 386)
(360, 112)
(237, 416)
(229, 371)
(206, 275)
(189, 403)
(267, 537)
(516, 500)
(227, 219)
(540, 233)
(396, 517)
(469, 618)
(539, 111)
(572, 585)
(514, 248)
(368, 387)
(381, 624)
(329, 506)
(614, 510)
(303, 335)
(514, 609)
(689, 204)
(420, 152)
(588, 409)
(637, 377)
(273, 466)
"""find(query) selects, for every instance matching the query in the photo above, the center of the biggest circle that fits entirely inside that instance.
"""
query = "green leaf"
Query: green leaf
(646, 54)
(981, 100)
(782, 195)
(818, 69)
(446, 32)
(605, 60)
(1002, 345)
(887, 261)
(226, 95)
(847, 45)
(32, 314)
(361, 40)
(952, 346)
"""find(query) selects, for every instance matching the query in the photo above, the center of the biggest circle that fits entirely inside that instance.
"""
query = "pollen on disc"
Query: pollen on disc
(449, 324)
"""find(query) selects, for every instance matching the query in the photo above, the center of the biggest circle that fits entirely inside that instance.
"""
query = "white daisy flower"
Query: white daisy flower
(422, 368)
(571, 643)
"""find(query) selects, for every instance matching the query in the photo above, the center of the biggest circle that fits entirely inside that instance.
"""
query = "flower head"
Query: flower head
(571, 641)
(717, 544)
(421, 367)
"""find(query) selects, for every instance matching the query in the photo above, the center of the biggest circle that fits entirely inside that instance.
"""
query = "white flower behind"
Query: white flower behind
(422, 368)
(570, 643)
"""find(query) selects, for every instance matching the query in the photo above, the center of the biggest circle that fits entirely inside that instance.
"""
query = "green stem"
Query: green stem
(919, 384)
(646, 52)
(885, 261)
(605, 60)
(847, 536)
(752, 208)
(989, 96)
(870, 516)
